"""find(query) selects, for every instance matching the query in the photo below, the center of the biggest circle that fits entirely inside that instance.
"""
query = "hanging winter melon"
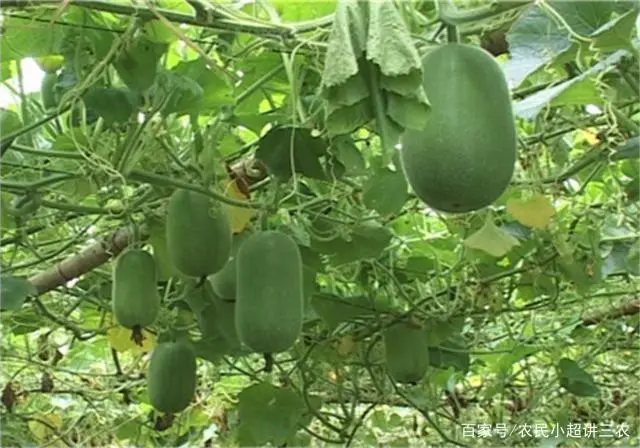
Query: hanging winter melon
(406, 352)
(135, 297)
(171, 378)
(464, 158)
(269, 292)
(198, 233)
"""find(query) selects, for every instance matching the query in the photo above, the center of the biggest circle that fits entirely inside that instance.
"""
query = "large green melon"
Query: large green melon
(224, 281)
(406, 352)
(269, 292)
(198, 233)
(171, 378)
(135, 297)
(464, 158)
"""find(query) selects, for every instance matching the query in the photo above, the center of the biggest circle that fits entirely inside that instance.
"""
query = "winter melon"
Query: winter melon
(269, 292)
(198, 234)
(171, 378)
(224, 281)
(135, 297)
(406, 352)
(464, 158)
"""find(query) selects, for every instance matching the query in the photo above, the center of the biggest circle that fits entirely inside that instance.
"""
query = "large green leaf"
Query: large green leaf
(23, 37)
(534, 40)
(579, 90)
(176, 93)
(277, 147)
(114, 105)
(268, 415)
(576, 380)
(386, 192)
(365, 242)
(216, 88)
(137, 64)
(14, 291)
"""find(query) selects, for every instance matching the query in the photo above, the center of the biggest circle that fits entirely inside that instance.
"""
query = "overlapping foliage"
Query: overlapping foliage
(288, 115)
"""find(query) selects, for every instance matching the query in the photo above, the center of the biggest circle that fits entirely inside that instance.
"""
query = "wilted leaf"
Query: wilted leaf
(492, 240)
(52, 421)
(346, 345)
(239, 216)
(120, 340)
(535, 212)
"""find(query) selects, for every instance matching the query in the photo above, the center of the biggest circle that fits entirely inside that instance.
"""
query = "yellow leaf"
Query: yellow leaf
(492, 240)
(120, 340)
(44, 431)
(590, 135)
(239, 216)
(535, 212)
(346, 345)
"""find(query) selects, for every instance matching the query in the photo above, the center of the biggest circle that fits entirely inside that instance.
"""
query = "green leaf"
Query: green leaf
(576, 271)
(617, 33)
(450, 354)
(176, 93)
(9, 121)
(518, 352)
(628, 150)
(386, 192)
(268, 415)
(346, 119)
(137, 64)
(158, 241)
(576, 91)
(616, 259)
(534, 40)
(409, 113)
(114, 105)
(24, 37)
(217, 90)
(25, 321)
(492, 240)
(276, 146)
(365, 242)
(157, 31)
(299, 11)
(211, 349)
(334, 310)
(371, 55)
(633, 260)
(577, 381)
(349, 154)
(14, 291)
(587, 16)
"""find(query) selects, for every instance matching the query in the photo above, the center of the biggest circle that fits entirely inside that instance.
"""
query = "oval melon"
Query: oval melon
(224, 281)
(464, 158)
(171, 378)
(269, 292)
(136, 301)
(198, 234)
(406, 352)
